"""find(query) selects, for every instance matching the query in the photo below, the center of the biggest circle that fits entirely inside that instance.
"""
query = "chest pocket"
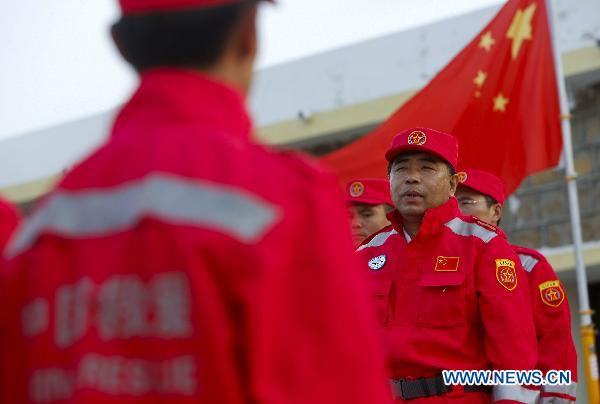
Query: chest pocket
(380, 289)
(441, 300)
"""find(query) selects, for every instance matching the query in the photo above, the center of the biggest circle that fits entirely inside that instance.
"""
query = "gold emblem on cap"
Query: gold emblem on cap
(417, 137)
(356, 189)
(462, 177)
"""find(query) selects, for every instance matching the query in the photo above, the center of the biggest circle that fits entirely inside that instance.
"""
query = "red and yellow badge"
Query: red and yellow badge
(446, 264)
(552, 293)
(506, 273)
(356, 189)
(417, 137)
(462, 177)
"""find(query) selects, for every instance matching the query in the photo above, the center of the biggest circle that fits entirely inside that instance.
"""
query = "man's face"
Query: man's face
(420, 181)
(473, 203)
(365, 220)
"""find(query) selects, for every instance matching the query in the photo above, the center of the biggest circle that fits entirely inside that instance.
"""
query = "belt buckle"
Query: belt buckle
(397, 386)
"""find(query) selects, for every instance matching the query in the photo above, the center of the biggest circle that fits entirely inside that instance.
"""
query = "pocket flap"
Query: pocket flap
(443, 278)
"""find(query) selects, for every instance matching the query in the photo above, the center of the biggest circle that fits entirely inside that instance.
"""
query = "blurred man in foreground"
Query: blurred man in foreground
(181, 262)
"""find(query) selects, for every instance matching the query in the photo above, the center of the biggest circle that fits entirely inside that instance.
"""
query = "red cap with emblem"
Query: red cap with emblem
(426, 140)
(484, 182)
(149, 6)
(372, 191)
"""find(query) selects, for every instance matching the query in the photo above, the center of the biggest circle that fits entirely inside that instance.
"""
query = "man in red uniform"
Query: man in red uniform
(172, 265)
(481, 194)
(457, 295)
(370, 202)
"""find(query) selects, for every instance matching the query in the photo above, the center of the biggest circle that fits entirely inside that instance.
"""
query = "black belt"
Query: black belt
(426, 387)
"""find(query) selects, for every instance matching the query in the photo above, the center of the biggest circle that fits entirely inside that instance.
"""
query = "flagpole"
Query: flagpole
(587, 327)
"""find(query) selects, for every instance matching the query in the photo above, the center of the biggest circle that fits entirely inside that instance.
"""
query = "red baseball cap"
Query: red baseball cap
(483, 182)
(149, 6)
(372, 191)
(427, 140)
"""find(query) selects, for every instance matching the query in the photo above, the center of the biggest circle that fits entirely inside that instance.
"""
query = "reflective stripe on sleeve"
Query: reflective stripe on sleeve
(515, 393)
(528, 262)
(378, 240)
(101, 212)
(462, 228)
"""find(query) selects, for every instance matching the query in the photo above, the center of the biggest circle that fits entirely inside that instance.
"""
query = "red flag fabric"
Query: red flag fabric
(498, 97)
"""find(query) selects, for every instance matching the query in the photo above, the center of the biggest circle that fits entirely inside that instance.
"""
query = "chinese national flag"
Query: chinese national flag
(498, 97)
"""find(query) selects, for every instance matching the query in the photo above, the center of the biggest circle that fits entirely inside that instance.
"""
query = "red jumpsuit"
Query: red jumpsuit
(183, 263)
(455, 297)
(552, 318)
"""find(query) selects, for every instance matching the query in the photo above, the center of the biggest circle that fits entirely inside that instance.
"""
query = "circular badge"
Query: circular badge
(552, 293)
(462, 177)
(356, 189)
(417, 137)
(378, 262)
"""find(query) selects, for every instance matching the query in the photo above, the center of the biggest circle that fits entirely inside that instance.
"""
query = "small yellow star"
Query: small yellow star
(500, 102)
(480, 78)
(477, 94)
(487, 41)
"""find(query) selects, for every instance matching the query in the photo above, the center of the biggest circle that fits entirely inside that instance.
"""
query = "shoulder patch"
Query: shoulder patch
(378, 240)
(506, 273)
(552, 293)
(465, 228)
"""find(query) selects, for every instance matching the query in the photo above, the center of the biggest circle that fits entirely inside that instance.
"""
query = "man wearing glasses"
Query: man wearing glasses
(481, 194)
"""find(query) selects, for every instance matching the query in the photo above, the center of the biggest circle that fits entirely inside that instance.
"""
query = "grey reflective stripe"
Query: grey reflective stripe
(378, 240)
(515, 393)
(528, 262)
(462, 228)
(570, 390)
(555, 400)
(101, 212)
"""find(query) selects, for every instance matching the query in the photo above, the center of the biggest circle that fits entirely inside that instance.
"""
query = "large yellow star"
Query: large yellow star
(500, 102)
(480, 78)
(520, 28)
(487, 41)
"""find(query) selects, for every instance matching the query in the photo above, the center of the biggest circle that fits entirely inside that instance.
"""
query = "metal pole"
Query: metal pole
(587, 328)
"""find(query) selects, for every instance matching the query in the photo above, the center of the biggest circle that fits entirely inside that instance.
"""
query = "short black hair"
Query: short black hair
(193, 37)
(451, 169)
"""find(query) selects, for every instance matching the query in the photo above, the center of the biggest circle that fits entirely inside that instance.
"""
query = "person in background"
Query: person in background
(481, 194)
(369, 203)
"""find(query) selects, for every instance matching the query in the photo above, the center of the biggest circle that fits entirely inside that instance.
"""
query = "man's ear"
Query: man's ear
(245, 36)
(454, 181)
(497, 212)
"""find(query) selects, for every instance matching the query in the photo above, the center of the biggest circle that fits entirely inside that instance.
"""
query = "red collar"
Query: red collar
(177, 95)
(433, 220)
